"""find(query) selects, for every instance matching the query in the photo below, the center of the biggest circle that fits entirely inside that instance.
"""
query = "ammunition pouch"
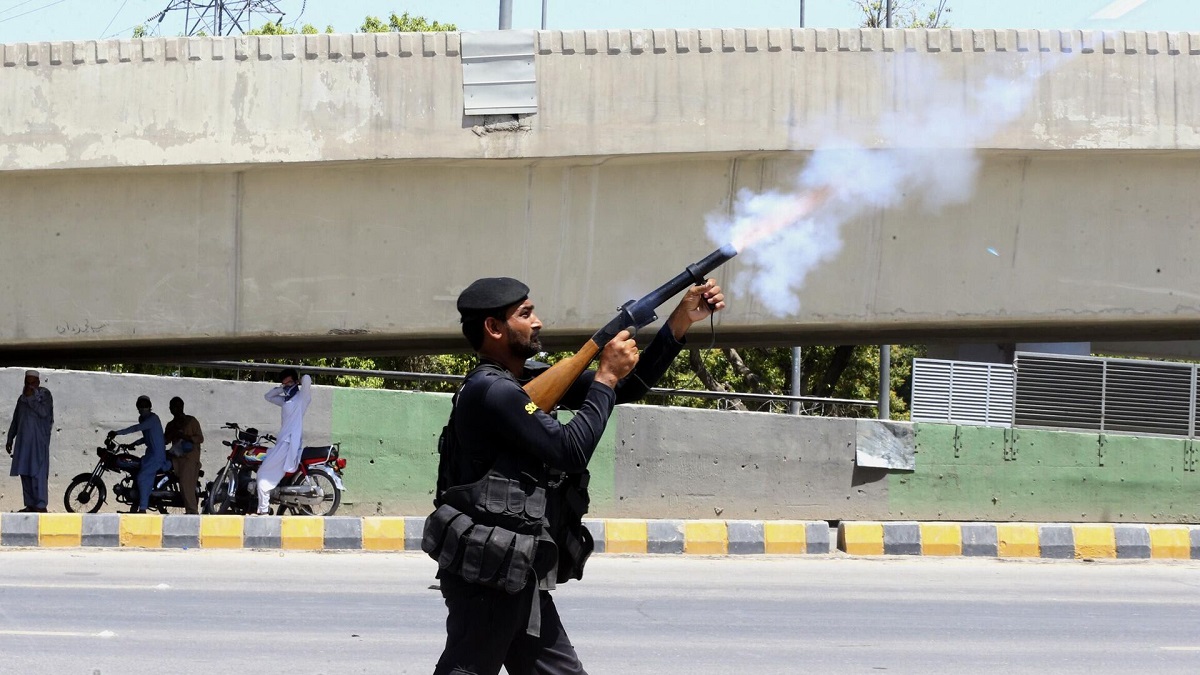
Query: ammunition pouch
(490, 532)
(570, 500)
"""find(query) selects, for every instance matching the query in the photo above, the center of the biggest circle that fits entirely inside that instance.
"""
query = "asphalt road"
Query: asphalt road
(97, 612)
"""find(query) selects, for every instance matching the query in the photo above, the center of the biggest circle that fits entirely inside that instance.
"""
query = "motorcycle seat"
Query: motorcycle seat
(318, 453)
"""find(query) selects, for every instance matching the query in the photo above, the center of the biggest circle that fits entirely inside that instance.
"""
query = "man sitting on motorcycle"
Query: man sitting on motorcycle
(155, 459)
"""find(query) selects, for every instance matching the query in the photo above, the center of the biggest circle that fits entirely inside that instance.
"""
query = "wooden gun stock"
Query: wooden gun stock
(547, 389)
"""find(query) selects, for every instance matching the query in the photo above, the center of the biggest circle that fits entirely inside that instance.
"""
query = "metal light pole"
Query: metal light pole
(888, 12)
(885, 382)
(797, 378)
(545, 3)
(505, 14)
(802, 13)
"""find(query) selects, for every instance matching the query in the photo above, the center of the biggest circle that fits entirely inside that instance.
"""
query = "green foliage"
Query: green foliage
(905, 13)
(373, 24)
(403, 23)
(277, 28)
(140, 31)
(846, 372)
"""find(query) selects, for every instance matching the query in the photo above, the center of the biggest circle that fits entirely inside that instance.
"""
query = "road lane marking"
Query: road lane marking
(1180, 649)
(85, 586)
(57, 633)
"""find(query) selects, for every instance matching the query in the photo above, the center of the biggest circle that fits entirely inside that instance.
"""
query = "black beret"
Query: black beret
(490, 293)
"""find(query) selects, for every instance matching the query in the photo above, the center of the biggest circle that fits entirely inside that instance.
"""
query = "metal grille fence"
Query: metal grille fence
(962, 392)
(1102, 394)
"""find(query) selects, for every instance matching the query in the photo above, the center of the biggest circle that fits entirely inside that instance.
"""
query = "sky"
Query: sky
(53, 20)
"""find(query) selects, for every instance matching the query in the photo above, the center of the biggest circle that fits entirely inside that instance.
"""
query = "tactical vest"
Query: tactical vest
(520, 520)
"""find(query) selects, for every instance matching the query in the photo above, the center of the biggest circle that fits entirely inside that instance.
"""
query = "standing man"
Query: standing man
(284, 457)
(155, 459)
(512, 480)
(184, 435)
(29, 433)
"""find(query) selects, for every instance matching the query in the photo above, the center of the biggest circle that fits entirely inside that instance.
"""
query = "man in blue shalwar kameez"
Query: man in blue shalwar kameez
(155, 459)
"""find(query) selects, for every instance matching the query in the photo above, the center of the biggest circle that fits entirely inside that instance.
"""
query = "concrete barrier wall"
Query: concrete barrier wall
(979, 473)
(187, 101)
(673, 463)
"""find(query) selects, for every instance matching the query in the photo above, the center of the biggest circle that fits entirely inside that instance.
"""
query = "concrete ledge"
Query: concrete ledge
(1170, 541)
(343, 532)
(104, 529)
(1021, 540)
(979, 539)
(1056, 541)
(342, 46)
(901, 539)
(19, 529)
(1132, 541)
(262, 532)
(664, 536)
(181, 532)
(619, 535)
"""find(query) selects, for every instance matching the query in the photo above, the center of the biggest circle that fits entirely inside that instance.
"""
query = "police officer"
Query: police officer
(512, 479)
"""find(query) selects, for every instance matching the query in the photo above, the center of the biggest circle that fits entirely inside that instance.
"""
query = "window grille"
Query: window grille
(962, 392)
(1107, 395)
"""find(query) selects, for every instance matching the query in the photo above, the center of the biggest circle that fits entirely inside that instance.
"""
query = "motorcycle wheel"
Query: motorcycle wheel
(83, 495)
(333, 496)
(220, 495)
(172, 503)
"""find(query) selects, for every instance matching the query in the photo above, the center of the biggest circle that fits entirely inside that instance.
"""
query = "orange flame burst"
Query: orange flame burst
(789, 212)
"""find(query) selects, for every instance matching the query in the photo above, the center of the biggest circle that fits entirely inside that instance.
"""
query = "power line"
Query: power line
(303, 6)
(37, 9)
(114, 18)
(6, 11)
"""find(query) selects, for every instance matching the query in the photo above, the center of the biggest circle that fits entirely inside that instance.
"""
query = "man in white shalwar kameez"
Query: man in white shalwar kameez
(284, 457)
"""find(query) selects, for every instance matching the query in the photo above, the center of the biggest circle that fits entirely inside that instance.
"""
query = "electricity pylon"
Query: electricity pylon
(219, 17)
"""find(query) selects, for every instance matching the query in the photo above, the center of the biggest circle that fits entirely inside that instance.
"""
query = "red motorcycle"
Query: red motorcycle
(313, 489)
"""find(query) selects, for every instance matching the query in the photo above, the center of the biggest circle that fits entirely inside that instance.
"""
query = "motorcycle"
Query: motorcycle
(87, 493)
(313, 489)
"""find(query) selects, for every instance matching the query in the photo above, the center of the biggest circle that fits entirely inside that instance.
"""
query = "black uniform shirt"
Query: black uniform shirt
(493, 413)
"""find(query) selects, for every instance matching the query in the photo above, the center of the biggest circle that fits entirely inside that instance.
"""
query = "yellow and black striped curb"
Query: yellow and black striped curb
(398, 533)
(1020, 540)
(618, 535)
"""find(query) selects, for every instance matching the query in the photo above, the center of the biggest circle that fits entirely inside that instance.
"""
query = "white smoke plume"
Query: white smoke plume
(924, 151)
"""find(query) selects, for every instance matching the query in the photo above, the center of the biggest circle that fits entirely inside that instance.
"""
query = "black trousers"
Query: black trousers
(485, 629)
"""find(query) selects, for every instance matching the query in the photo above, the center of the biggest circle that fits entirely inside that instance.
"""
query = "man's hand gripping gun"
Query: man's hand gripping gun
(548, 388)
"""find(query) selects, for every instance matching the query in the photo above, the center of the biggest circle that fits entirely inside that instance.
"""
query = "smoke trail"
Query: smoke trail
(924, 151)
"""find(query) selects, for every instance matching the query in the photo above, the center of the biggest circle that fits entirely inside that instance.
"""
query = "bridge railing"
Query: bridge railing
(779, 403)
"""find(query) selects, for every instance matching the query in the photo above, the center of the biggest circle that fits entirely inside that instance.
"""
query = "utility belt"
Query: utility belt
(491, 533)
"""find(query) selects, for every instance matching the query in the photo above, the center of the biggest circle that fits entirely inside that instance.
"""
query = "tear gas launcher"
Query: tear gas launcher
(548, 388)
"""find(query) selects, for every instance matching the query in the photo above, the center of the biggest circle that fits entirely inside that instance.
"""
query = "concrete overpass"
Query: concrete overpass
(236, 197)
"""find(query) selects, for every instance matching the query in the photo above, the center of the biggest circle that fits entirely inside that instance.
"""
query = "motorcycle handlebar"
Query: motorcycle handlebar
(237, 427)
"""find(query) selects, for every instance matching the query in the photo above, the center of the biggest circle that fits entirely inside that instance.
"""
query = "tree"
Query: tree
(403, 23)
(277, 28)
(905, 13)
